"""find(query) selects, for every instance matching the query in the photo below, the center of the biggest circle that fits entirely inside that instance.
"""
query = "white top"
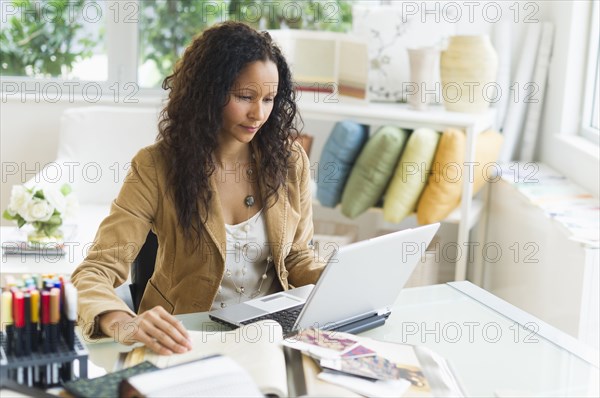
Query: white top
(248, 273)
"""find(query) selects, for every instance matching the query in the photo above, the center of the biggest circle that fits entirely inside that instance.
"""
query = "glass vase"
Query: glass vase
(38, 238)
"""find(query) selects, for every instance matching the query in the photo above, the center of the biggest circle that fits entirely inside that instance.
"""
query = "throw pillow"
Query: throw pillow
(411, 175)
(443, 191)
(339, 154)
(373, 169)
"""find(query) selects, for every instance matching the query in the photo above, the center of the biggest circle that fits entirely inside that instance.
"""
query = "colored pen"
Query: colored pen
(54, 320)
(19, 319)
(27, 319)
(45, 320)
(35, 319)
(7, 320)
(71, 314)
(45, 335)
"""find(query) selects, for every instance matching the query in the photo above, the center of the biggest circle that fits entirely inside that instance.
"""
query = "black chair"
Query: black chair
(142, 269)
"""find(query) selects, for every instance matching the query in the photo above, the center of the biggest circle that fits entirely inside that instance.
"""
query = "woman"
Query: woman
(224, 188)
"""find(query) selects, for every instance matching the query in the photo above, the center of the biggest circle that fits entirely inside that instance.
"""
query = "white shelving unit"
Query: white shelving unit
(378, 114)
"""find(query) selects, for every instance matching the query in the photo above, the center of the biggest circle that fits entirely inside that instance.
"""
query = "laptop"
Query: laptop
(355, 292)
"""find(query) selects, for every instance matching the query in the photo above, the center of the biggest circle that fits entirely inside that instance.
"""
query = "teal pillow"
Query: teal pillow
(337, 158)
(373, 170)
(410, 176)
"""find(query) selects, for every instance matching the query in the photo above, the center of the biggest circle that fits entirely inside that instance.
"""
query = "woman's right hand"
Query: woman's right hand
(156, 328)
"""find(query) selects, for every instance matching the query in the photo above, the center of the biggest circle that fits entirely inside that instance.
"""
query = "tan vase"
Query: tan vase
(468, 71)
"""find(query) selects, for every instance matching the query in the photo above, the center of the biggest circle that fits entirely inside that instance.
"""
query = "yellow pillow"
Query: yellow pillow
(410, 176)
(443, 191)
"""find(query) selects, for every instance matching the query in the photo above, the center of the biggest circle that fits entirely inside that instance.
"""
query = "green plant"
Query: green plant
(328, 15)
(166, 27)
(46, 40)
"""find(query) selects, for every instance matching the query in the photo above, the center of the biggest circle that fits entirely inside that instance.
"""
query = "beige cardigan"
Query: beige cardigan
(186, 279)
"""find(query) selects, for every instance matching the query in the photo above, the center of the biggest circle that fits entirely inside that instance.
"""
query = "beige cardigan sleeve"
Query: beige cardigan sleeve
(117, 243)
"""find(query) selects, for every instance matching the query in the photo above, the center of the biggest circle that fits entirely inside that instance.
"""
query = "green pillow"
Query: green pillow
(372, 171)
(410, 176)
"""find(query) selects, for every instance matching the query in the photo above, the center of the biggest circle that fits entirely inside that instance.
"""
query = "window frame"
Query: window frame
(121, 85)
(591, 82)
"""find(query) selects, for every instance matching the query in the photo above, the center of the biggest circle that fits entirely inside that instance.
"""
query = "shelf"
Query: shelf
(335, 215)
(435, 117)
(325, 107)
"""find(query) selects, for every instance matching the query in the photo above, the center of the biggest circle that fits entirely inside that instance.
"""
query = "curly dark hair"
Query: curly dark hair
(191, 121)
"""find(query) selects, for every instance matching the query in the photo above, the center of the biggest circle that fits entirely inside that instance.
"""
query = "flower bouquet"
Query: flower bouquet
(44, 209)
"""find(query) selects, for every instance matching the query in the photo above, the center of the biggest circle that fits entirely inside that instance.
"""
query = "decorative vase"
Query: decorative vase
(39, 239)
(468, 69)
(422, 75)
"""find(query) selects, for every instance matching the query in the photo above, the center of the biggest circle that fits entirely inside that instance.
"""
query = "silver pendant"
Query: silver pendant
(249, 201)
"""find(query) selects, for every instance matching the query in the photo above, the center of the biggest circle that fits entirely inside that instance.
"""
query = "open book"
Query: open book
(255, 347)
(214, 376)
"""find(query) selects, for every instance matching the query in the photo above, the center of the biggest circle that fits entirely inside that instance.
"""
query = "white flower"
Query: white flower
(72, 206)
(19, 200)
(56, 199)
(37, 210)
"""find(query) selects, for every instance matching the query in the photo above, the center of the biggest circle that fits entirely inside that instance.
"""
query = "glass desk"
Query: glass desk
(494, 348)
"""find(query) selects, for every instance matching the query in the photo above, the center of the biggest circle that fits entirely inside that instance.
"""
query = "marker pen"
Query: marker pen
(35, 319)
(71, 314)
(45, 335)
(7, 320)
(45, 321)
(27, 335)
(19, 318)
(54, 319)
(27, 318)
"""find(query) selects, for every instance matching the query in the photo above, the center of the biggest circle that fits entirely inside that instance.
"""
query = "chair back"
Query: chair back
(142, 269)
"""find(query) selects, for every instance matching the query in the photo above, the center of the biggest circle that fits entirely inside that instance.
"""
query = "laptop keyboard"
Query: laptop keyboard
(286, 318)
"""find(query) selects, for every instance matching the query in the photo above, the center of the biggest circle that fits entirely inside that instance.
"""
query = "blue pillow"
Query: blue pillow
(337, 158)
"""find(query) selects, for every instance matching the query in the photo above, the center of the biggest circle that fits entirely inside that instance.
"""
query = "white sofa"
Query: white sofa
(96, 145)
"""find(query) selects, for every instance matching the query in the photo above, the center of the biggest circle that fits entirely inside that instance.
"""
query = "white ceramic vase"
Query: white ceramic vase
(422, 77)
(468, 71)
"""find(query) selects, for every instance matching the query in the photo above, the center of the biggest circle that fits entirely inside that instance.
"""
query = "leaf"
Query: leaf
(66, 189)
(54, 220)
(7, 215)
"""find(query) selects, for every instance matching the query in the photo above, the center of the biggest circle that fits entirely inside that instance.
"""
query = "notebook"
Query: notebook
(355, 292)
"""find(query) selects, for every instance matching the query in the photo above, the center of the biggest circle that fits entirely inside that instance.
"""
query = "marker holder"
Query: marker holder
(16, 368)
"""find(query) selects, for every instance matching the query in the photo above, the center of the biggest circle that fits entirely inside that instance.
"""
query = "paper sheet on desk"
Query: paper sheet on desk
(366, 387)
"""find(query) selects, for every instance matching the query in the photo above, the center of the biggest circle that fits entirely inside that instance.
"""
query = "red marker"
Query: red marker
(19, 319)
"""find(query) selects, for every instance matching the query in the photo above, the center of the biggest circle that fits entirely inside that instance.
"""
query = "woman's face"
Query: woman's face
(250, 101)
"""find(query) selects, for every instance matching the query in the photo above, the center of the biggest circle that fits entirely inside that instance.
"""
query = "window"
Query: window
(589, 123)
(166, 27)
(126, 43)
(50, 39)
